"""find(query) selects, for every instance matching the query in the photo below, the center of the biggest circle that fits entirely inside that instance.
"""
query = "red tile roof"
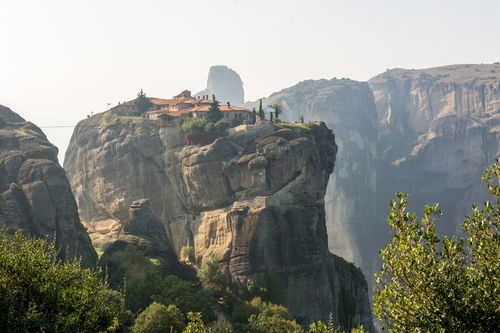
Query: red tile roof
(222, 108)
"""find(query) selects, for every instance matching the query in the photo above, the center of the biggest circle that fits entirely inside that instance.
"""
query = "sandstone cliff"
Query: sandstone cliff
(427, 132)
(253, 199)
(35, 196)
(225, 84)
(347, 107)
(439, 128)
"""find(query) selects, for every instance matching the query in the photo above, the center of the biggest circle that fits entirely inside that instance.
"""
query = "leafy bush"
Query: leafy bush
(271, 318)
(431, 283)
(158, 318)
(221, 325)
(221, 127)
(194, 125)
(39, 293)
(212, 278)
(186, 295)
(187, 253)
(129, 269)
(195, 324)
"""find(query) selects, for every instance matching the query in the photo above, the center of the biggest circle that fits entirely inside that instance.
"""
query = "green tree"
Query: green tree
(253, 118)
(130, 270)
(212, 278)
(262, 115)
(40, 293)
(186, 295)
(194, 125)
(214, 114)
(142, 102)
(221, 325)
(195, 324)
(271, 318)
(158, 318)
(221, 127)
(432, 283)
(278, 109)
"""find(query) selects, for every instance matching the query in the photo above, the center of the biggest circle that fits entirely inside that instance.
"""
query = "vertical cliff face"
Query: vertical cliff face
(438, 130)
(253, 199)
(35, 196)
(348, 108)
(225, 84)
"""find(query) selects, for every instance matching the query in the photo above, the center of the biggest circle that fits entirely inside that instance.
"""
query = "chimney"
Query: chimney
(228, 104)
(213, 97)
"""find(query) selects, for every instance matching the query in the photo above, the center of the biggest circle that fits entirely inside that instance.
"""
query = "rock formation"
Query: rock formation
(347, 107)
(254, 199)
(438, 129)
(35, 196)
(225, 84)
(428, 132)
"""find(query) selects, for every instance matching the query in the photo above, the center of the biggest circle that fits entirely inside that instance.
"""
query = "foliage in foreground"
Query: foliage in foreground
(158, 318)
(430, 283)
(40, 293)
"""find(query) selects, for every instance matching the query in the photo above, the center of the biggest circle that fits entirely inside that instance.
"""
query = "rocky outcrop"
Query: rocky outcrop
(438, 130)
(254, 199)
(427, 132)
(347, 107)
(225, 84)
(145, 233)
(35, 196)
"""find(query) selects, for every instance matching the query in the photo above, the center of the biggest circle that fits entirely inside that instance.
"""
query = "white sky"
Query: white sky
(60, 60)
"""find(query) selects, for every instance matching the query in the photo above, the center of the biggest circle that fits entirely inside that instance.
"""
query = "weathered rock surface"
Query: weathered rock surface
(347, 107)
(254, 199)
(225, 84)
(439, 128)
(35, 196)
(144, 232)
(427, 132)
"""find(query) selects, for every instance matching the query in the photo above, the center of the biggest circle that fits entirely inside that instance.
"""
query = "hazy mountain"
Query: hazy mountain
(225, 84)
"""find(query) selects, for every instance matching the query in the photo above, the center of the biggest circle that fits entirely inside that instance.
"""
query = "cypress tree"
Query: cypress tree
(262, 116)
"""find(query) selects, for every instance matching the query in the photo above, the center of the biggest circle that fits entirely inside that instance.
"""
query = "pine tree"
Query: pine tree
(142, 103)
(214, 114)
(254, 116)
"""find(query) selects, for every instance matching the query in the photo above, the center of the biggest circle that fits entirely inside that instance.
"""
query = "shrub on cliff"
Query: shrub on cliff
(40, 293)
(186, 295)
(431, 283)
(194, 125)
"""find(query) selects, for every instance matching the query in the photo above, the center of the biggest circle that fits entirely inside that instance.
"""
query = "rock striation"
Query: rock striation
(254, 199)
(348, 108)
(429, 132)
(225, 84)
(35, 196)
(438, 129)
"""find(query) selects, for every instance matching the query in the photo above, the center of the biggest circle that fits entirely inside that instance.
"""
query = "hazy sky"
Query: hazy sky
(60, 60)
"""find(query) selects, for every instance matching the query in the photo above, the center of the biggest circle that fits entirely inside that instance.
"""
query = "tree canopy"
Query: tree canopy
(433, 283)
(40, 293)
